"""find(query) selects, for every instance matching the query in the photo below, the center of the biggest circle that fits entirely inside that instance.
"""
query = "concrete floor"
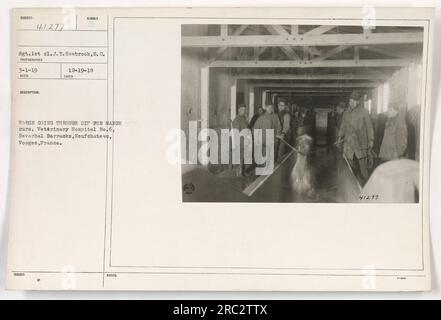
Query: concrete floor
(333, 180)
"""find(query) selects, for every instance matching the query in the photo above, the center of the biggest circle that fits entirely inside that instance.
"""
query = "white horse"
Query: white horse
(301, 177)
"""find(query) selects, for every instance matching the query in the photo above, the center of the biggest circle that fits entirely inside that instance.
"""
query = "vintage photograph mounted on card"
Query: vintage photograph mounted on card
(302, 112)
(249, 149)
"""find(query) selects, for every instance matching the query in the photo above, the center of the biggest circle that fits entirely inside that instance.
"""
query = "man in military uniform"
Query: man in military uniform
(357, 135)
(269, 121)
(253, 120)
(240, 123)
(285, 121)
(394, 142)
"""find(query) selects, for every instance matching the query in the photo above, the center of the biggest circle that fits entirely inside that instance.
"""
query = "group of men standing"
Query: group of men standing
(283, 124)
(356, 136)
(349, 123)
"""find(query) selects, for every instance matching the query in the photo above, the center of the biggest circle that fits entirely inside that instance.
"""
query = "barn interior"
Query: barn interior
(312, 66)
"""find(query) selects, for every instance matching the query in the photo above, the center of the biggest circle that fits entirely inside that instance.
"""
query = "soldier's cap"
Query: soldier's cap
(241, 106)
(355, 95)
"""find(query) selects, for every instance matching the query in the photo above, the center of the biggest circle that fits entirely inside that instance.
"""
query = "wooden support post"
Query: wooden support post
(385, 93)
(233, 92)
(251, 104)
(205, 80)
(256, 53)
(374, 103)
(380, 99)
(224, 30)
(294, 30)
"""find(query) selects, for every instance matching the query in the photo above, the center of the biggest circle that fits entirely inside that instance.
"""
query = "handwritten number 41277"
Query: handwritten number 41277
(50, 26)
(368, 197)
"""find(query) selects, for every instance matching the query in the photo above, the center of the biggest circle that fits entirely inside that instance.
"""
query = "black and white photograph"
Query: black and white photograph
(301, 113)
(253, 151)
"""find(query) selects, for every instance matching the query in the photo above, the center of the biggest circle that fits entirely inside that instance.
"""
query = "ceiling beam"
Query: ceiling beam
(279, 30)
(224, 33)
(320, 90)
(299, 94)
(311, 92)
(310, 64)
(317, 93)
(394, 54)
(316, 31)
(332, 52)
(319, 30)
(313, 77)
(261, 51)
(302, 40)
(318, 85)
(321, 93)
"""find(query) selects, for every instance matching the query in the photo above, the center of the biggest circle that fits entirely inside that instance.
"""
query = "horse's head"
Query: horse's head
(304, 144)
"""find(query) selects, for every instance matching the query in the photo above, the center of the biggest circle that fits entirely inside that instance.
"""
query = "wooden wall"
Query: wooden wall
(405, 87)
(221, 80)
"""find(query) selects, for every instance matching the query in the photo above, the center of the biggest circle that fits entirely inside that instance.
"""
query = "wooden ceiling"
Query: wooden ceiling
(326, 57)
